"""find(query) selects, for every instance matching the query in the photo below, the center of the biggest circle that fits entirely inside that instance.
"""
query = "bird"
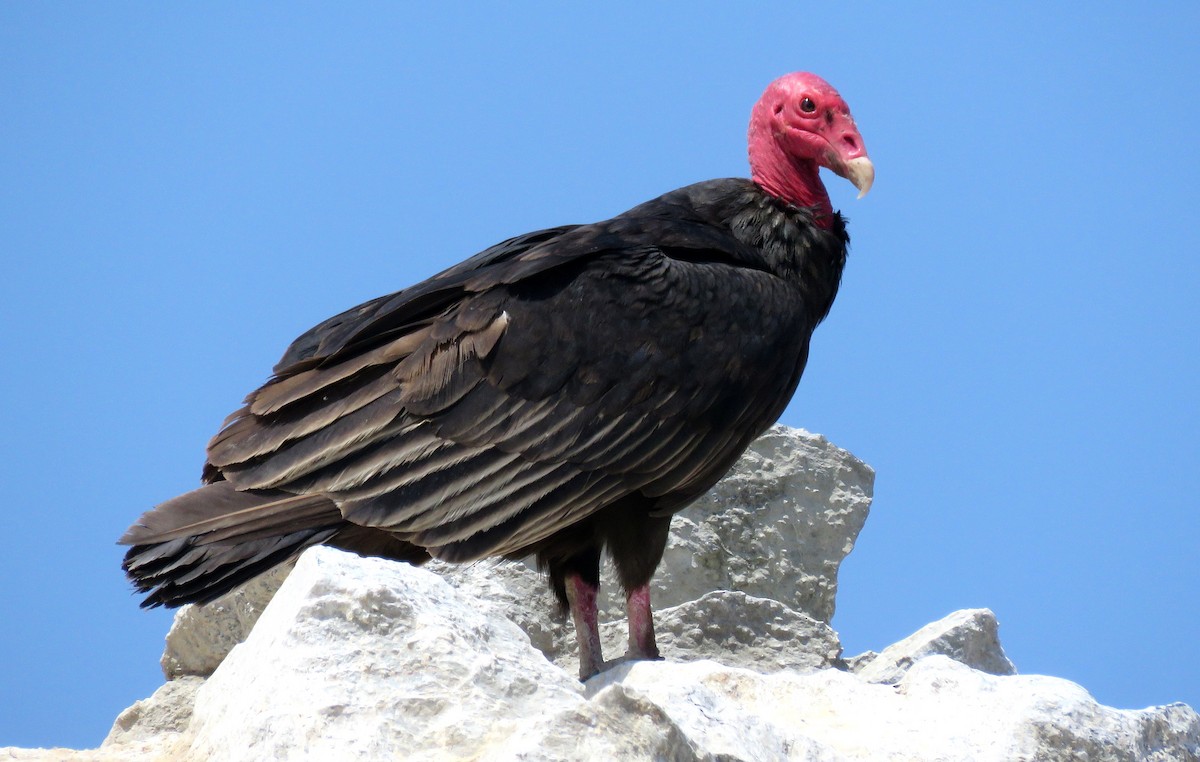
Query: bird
(559, 395)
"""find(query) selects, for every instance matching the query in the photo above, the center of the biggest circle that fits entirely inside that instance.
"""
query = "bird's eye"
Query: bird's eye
(807, 106)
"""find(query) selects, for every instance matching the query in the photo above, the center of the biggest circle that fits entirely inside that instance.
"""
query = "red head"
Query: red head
(801, 123)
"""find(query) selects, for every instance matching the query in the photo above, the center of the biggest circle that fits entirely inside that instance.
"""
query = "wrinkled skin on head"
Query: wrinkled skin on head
(801, 122)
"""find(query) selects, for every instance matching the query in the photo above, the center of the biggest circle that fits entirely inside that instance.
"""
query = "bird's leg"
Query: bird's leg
(581, 598)
(641, 624)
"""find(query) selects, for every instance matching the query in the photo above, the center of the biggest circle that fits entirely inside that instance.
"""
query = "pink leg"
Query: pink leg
(641, 624)
(581, 597)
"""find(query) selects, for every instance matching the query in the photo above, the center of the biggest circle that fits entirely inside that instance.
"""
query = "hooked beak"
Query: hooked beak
(846, 155)
(859, 171)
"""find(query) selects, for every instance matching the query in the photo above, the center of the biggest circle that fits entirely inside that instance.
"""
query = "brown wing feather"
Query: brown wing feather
(212, 510)
(496, 424)
(278, 394)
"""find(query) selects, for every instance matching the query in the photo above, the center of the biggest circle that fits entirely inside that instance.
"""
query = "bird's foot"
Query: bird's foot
(632, 656)
(628, 658)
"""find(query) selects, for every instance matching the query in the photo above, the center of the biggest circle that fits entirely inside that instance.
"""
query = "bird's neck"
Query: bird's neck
(796, 181)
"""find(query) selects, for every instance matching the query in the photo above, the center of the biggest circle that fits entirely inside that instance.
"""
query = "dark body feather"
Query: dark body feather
(561, 393)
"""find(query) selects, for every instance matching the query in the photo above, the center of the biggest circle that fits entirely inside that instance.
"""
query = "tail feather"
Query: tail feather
(220, 512)
(200, 545)
(205, 573)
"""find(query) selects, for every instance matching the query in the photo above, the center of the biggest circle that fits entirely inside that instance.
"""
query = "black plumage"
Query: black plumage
(560, 394)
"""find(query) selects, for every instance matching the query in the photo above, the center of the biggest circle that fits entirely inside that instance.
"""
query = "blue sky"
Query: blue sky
(185, 188)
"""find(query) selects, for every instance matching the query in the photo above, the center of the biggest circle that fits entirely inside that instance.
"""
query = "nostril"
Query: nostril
(850, 142)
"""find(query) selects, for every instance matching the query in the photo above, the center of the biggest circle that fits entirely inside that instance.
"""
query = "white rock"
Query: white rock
(360, 658)
(520, 593)
(168, 710)
(969, 636)
(614, 725)
(363, 658)
(732, 627)
(942, 710)
(856, 663)
(134, 752)
(1038, 717)
(735, 629)
(201, 636)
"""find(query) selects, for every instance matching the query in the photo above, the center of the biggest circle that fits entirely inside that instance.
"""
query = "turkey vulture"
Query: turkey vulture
(559, 394)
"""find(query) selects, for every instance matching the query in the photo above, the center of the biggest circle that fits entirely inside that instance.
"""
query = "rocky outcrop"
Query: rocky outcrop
(359, 658)
(777, 527)
(970, 637)
(202, 636)
(371, 659)
(167, 711)
(940, 710)
(736, 629)
(365, 659)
